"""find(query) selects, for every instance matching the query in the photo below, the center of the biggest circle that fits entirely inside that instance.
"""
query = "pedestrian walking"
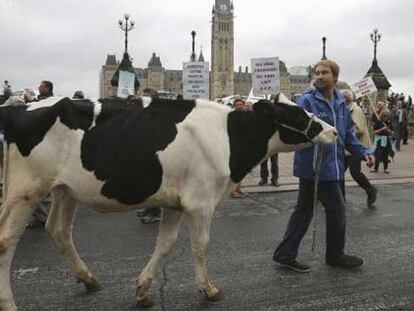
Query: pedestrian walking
(45, 90)
(382, 147)
(354, 163)
(274, 169)
(40, 214)
(380, 107)
(7, 92)
(238, 105)
(78, 95)
(399, 120)
(151, 214)
(327, 103)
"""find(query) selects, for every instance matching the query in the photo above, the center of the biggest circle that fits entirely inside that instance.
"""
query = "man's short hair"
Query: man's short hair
(48, 84)
(238, 100)
(331, 64)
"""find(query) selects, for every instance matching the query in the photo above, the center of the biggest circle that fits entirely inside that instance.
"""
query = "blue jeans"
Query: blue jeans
(331, 196)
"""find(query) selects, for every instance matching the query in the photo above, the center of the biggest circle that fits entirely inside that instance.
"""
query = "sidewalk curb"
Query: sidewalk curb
(294, 186)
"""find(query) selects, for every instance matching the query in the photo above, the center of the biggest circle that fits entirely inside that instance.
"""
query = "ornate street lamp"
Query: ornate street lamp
(126, 26)
(375, 38)
(310, 71)
(126, 64)
(193, 56)
(323, 48)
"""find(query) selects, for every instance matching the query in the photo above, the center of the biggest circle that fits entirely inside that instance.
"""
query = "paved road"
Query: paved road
(243, 237)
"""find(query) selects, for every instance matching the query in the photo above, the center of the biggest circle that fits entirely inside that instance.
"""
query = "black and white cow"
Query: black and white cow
(115, 156)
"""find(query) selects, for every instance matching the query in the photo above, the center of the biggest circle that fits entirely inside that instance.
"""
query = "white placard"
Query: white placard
(126, 83)
(196, 83)
(265, 75)
(364, 87)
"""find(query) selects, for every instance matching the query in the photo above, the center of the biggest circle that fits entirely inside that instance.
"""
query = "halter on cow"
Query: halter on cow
(111, 155)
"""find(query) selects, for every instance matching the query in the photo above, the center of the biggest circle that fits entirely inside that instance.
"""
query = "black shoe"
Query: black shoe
(275, 182)
(345, 261)
(372, 196)
(262, 182)
(292, 264)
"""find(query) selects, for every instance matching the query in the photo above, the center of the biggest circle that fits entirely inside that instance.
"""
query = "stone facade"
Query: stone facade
(105, 76)
(222, 50)
(224, 80)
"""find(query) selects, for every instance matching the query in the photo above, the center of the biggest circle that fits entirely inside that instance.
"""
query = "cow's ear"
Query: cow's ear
(264, 107)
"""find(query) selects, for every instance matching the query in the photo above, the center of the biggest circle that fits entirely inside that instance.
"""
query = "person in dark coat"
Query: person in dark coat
(45, 90)
(382, 147)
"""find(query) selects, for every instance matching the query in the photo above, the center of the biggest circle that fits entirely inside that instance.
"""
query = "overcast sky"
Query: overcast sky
(67, 41)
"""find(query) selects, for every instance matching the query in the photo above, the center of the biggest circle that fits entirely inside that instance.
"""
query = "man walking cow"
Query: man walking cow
(326, 102)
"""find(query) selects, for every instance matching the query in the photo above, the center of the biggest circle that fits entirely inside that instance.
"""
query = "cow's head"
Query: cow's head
(295, 127)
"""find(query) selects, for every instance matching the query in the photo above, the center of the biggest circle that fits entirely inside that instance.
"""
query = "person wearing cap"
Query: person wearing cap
(78, 95)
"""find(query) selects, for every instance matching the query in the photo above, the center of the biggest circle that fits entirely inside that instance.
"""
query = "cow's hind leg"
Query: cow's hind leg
(167, 236)
(60, 226)
(199, 227)
(15, 213)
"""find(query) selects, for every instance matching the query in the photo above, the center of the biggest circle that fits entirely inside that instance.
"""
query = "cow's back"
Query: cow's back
(111, 151)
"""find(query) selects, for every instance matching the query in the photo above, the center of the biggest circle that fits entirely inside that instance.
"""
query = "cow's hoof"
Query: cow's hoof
(216, 297)
(91, 285)
(145, 302)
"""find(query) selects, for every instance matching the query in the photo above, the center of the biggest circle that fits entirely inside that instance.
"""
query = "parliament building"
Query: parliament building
(224, 80)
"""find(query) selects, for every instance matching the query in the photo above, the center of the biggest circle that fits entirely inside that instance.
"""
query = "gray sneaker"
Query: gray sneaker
(263, 182)
(292, 264)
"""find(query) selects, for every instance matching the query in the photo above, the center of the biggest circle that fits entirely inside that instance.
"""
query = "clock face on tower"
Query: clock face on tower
(223, 7)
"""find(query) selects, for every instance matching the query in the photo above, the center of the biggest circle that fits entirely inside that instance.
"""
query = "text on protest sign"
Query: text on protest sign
(265, 75)
(126, 82)
(364, 87)
(196, 83)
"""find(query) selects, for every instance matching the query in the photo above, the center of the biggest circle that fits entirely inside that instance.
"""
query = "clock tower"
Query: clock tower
(222, 50)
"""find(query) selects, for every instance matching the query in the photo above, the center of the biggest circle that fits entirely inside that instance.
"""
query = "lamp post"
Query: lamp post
(309, 69)
(193, 56)
(126, 26)
(126, 64)
(375, 38)
(323, 48)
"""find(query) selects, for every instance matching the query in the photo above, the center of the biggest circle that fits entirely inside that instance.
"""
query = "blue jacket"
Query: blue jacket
(336, 114)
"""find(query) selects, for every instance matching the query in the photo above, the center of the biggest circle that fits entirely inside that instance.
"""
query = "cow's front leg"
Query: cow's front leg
(167, 236)
(199, 226)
